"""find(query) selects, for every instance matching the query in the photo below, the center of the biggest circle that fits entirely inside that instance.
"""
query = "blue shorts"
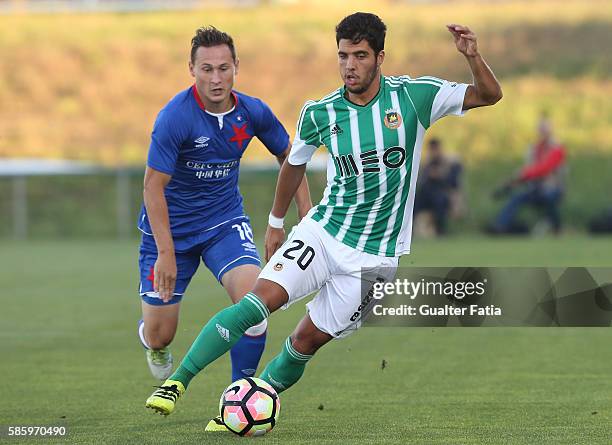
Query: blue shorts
(221, 248)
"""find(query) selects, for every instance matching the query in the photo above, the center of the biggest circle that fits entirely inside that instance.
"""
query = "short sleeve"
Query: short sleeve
(448, 100)
(307, 137)
(270, 131)
(434, 98)
(166, 140)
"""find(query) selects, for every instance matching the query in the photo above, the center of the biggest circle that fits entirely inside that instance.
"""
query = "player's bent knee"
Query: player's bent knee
(159, 342)
(159, 338)
(308, 343)
(257, 330)
(303, 345)
(272, 294)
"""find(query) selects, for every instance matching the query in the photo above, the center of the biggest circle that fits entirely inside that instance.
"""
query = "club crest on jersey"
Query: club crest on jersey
(392, 119)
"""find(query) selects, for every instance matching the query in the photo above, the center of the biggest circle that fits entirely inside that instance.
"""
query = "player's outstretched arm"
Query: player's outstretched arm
(164, 271)
(302, 195)
(485, 90)
(289, 180)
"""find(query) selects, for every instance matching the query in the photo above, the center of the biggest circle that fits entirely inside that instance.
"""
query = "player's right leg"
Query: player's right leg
(217, 337)
(159, 320)
(156, 330)
(291, 274)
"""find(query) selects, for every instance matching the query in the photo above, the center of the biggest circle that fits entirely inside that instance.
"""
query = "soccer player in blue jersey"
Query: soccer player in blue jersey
(192, 205)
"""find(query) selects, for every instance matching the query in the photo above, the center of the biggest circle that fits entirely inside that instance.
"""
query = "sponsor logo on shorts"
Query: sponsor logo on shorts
(249, 246)
(278, 267)
(366, 300)
(223, 332)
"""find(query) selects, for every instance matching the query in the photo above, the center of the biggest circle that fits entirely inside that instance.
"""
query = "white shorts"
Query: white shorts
(311, 259)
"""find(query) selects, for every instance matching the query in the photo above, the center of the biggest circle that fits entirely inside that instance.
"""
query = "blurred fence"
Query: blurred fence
(65, 199)
(41, 174)
(54, 199)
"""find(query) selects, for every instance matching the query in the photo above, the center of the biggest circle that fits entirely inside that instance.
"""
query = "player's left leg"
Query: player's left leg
(288, 366)
(335, 312)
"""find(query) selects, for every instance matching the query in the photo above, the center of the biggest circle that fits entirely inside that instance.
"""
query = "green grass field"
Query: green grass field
(70, 355)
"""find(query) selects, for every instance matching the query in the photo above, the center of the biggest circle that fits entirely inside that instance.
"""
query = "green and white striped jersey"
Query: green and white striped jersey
(374, 153)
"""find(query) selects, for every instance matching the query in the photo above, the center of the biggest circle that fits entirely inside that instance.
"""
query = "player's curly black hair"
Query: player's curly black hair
(210, 36)
(363, 25)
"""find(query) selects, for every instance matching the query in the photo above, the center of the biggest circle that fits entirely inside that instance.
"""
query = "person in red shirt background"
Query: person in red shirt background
(542, 181)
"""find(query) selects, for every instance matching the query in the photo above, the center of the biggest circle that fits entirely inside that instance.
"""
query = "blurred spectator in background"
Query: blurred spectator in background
(438, 192)
(541, 183)
(601, 223)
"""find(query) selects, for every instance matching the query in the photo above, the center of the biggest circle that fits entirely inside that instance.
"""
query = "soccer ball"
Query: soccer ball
(249, 407)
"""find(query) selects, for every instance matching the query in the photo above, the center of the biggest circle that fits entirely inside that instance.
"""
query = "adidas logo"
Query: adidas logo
(168, 392)
(223, 332)
(275, 383)
(335, 130)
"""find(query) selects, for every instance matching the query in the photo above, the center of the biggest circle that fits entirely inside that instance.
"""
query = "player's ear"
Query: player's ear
(191, 67)
(236, 64)
(380, 58)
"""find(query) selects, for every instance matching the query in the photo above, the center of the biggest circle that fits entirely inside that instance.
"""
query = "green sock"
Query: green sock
(286, 368)
(219, 335)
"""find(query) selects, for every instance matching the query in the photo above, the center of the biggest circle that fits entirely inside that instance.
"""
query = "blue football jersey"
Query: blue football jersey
(204, 159)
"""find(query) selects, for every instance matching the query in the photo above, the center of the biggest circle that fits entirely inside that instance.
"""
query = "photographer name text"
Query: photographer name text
(447, 310)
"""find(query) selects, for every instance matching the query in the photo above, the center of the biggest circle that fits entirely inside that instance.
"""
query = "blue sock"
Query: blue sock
(246, 354)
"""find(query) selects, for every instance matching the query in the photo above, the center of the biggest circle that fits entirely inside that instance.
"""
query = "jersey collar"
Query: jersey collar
(197, 98)
(369, 104)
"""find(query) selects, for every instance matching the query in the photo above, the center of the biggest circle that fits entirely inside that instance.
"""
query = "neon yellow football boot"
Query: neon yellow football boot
(216, 424)
(164, 398)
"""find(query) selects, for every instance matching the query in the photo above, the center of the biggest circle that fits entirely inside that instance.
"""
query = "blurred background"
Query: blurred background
(82, 81)
(80, 85)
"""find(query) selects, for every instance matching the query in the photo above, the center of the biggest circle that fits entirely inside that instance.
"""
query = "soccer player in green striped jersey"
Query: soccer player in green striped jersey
(373, 128)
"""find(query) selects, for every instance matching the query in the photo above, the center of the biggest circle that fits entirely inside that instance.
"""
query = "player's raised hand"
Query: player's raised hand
(465, 39)
(164, 276)
(274, 239)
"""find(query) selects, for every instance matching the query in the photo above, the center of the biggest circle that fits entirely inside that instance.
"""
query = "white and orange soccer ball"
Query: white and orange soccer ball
(249, 407)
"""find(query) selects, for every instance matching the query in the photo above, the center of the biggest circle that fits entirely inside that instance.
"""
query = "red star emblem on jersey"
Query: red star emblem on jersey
(240, 134)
